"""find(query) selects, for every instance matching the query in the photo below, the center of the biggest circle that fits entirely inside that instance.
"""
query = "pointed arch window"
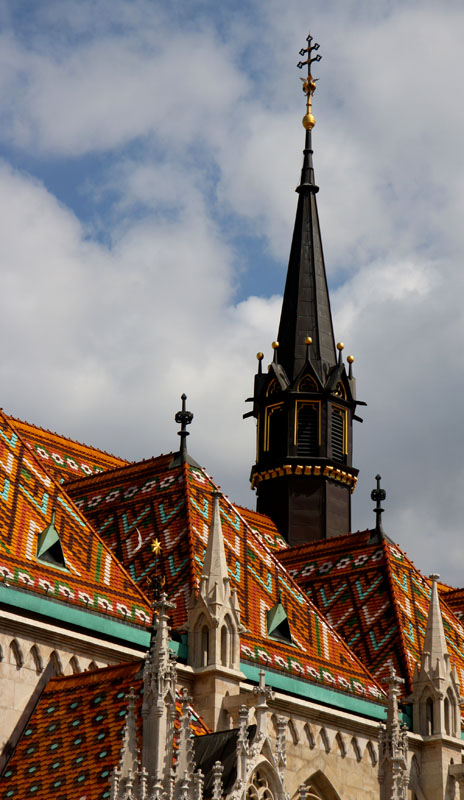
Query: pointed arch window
(308, 428)
(272, 388)
(429, 717)
(339, 433)
(307, 384)
(275, 429)
(260, 787)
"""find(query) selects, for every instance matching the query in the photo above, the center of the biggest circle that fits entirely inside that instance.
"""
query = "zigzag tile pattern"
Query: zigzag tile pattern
(72, 741)
(93, 579)
(375, 598)
(63, 458)
(132, 506)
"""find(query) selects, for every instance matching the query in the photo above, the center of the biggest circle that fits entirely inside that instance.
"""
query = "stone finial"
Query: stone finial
(393, 747)
(218, 769)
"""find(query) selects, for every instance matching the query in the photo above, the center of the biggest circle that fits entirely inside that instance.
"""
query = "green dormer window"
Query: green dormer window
(49, 550)
(277, 624)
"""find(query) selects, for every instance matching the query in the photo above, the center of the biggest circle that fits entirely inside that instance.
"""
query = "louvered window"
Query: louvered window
(338, 434)
(308, 430)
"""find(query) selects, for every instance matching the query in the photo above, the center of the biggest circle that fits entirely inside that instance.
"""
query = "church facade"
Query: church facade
(158, 642)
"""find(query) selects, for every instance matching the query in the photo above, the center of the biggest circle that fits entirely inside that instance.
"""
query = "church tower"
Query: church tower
(305, 403)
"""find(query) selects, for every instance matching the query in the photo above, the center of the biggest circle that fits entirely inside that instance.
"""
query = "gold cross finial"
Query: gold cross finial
(309, 83)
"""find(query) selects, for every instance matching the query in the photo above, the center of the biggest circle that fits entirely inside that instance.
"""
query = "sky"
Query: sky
(149, 153)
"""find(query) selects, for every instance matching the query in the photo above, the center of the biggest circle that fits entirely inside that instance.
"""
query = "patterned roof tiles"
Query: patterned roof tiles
(132, 506)
(63, 457)
(72, 741)
(91, 578)
(375, 598)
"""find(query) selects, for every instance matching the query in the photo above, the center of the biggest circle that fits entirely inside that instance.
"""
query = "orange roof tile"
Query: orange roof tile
(132, 506)
(72, 741)
(92, 578)
(375, 598)
(63, 457)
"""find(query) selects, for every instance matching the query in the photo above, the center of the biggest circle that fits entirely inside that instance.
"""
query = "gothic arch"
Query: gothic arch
(263, 784)
(36, 658)
(16, 654)
(320, 788)
(56, 661)
(227, 642)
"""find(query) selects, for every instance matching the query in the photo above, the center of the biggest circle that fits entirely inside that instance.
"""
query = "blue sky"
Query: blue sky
(148, 158)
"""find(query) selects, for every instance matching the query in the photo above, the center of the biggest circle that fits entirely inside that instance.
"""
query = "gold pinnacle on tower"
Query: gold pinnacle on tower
(309, 83)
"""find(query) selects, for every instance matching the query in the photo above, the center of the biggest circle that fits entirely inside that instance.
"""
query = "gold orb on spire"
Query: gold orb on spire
(340, 346)
(260, 356)
(350, 359)
(275, 345)
(308, 340)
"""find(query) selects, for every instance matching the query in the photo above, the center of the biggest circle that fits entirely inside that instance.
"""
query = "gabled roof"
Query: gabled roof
(62, 457)
(72, 741)
(134, 505)
(91, 580)
(376, 599)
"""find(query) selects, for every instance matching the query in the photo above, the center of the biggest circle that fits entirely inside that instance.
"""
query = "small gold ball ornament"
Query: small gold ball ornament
(308, 122)
(260, 356)
(308, 340)
(340, 346)
(275, 345)
(350, 359)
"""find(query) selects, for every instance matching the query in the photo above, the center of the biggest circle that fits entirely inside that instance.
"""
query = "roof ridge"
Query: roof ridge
(101, 476)
(319, 543)
(62, 436)
(396, 611)
(62, 682)
(75, 509)
(189, 523)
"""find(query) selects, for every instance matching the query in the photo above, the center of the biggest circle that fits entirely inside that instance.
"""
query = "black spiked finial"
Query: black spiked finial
(183, 418)
(378, 495)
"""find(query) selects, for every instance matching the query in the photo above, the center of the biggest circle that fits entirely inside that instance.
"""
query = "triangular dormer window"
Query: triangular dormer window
(277, 624)
(49, 550)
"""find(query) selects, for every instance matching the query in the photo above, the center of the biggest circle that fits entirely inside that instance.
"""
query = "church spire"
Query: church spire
(306, 305)
(305, 403)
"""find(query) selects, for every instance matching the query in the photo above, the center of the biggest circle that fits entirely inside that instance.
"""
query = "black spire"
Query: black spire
(306, 304)
(305, 403)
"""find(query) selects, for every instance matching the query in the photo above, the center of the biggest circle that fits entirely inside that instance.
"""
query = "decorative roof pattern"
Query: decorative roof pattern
(62, 457)
(375, 598)
(132, 506)
(454, 598)
(30, 500)
(263, 527)
(73, 739)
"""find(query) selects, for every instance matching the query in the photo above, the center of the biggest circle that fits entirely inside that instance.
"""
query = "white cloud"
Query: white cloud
(203, 115)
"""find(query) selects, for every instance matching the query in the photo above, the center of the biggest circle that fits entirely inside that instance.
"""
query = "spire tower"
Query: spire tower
(305, 403)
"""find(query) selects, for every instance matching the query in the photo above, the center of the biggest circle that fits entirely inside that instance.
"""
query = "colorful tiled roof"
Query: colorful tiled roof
(454, 598)
(72, 741)
(264, 528)
(132, 506)
(375, 598)
(62, 457)
(91, 578)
